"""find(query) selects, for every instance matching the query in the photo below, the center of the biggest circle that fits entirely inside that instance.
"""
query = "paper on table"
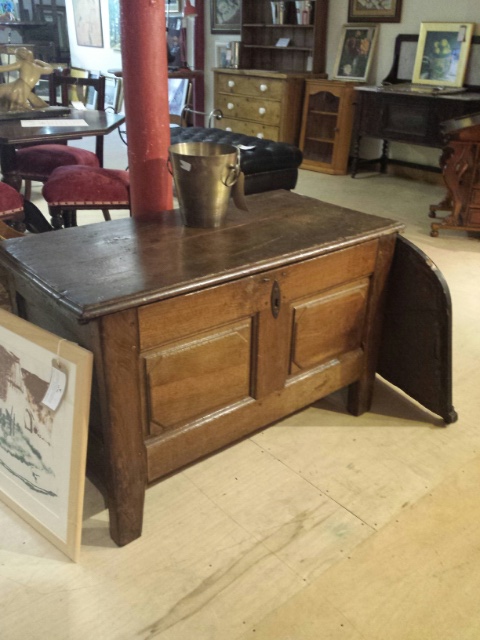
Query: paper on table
(54, 122)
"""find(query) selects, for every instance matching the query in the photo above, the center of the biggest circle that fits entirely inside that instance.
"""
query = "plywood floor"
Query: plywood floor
(323, 526)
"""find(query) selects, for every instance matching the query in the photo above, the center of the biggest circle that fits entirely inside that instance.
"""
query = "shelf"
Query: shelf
(285, 25)
(306, 53)
(22, 25)
(327, 140)
(275, 48)
(324, 113)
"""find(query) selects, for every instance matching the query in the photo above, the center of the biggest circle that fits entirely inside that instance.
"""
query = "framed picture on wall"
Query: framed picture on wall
(374, 11)
(355, 52)
(225, 16)
(442, 53)
(88, 23)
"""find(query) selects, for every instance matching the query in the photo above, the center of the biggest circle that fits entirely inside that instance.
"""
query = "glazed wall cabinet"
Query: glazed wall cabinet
(327, 123)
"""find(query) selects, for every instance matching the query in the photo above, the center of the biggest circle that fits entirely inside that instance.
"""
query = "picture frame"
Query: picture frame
(113, 93)
(91, 94)
(370, 11)
(223, 55)
(442, 53)
(76, 94)
(119, 97)
(177, 95)
(355, 52)
(173, 6)
(88, 23)
(114, 25)
(225, 16)
(44, 429)
(175, 41)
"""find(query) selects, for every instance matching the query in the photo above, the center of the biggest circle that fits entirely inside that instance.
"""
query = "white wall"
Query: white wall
(93, 58)
(413, 12)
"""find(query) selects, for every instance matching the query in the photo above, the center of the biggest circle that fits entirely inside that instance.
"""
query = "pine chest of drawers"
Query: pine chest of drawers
(264, 104)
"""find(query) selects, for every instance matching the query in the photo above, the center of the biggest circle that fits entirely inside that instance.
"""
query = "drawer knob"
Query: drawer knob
(230, 106)
(260, 135)
(263, 87)
(231, 83)
(262, 111)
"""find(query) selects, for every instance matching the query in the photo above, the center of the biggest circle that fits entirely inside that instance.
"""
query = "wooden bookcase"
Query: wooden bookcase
(305, 52)
(264, 97)
(327, 124)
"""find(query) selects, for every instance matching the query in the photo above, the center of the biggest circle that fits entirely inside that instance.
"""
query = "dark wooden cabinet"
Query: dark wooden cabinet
(201, 336)
(413, 119)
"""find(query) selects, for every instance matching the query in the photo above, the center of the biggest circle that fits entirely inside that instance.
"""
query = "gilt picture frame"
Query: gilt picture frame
(374, 11)
(442, 53)
(44, 411)
(355, 52)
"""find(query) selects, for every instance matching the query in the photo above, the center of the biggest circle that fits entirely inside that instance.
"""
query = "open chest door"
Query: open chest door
(416, 347)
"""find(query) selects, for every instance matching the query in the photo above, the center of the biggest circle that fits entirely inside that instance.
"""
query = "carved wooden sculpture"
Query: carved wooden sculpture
(461, 173)
(18, 95)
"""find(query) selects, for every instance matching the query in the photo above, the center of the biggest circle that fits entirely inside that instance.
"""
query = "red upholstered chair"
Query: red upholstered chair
(19, 214)
(75, 187)
(37, 162)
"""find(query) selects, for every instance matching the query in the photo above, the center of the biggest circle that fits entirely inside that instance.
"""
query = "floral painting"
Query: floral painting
(355, 52)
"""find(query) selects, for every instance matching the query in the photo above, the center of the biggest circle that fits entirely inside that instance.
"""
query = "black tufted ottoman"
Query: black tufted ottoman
(267, 166)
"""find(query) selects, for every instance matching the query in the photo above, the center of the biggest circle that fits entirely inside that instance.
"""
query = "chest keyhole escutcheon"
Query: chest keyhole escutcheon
(275, 299)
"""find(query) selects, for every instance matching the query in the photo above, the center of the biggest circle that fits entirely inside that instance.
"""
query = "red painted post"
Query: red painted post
(145, 78)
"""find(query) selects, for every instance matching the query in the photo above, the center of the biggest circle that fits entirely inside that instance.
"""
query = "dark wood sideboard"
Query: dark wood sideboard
(409, 117)
(201, 336)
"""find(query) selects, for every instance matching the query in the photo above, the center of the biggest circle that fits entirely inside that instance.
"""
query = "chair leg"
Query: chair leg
(69, 218)
(56, 216)
(106, 214)
(28, 189)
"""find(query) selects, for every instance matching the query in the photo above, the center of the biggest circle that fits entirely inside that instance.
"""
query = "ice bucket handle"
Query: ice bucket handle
(233, 171)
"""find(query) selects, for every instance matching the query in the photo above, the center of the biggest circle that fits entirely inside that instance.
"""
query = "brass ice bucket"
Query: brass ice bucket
(204, 174)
